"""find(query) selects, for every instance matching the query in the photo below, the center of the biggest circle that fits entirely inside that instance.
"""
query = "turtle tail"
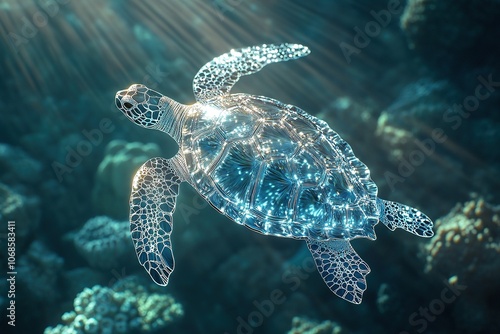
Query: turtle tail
(395, 215)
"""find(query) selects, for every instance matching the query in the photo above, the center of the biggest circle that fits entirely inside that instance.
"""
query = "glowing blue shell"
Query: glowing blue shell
(278, 170)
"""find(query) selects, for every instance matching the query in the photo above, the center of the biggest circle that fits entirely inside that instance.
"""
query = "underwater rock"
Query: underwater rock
(466, 249)
(24, 210)
(129, 306)
(38, 273)
(305, 326)
(114, 176)
(18, 166)
(451, 33)
(428, 135)
(103, 242)
(419, 106)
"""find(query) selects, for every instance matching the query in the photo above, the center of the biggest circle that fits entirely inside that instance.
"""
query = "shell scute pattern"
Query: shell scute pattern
(309, 169)
(275, 141)
(236, 171)
(312, 206)
(238, 124)
(208, 148)
(278, 170)
(276, 184)
(304, 129)
(263, 106)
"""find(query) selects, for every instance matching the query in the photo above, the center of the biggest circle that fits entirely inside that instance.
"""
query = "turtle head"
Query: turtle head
(141, 105)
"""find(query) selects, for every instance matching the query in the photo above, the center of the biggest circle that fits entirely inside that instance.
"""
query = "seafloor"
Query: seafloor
(413, 86)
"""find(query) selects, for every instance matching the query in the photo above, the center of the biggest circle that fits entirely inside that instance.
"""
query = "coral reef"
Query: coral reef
(114, 176)
(103, 242)
(466, 249)
(470, 235)
(39, 271)
(24, 210)
(129, 306)
(18, 166)
(305, 326)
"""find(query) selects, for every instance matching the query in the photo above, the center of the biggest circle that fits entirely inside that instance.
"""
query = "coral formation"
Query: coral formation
(305, 326)
(452, 33)
(24, 210)
(129, 306)
(18, 166)
(467, 250)
(115, 173)
(419, 104)
(38, 272)
(103, 242)
(470, 235)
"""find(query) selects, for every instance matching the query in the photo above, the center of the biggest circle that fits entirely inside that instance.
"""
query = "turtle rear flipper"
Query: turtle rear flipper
(395, 215)
(152, 204)
(343, 271)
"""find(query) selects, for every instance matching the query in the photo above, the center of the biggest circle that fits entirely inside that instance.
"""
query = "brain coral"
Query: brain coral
(129, 306)
(103, 242)
(115, 173)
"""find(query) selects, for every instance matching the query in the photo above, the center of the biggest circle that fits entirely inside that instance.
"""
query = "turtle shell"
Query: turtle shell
(277, 170)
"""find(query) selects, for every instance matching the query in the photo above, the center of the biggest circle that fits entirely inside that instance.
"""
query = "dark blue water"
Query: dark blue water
(412, 86)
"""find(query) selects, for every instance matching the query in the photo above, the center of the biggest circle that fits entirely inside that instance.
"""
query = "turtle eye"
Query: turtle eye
(127, 105)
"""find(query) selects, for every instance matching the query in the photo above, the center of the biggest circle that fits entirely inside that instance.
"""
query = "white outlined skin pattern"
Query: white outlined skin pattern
(266, 165)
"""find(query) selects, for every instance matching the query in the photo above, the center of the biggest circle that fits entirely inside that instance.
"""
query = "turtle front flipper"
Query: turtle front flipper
(217, 77)
(395, 215)
(152, 204)
(343, 271)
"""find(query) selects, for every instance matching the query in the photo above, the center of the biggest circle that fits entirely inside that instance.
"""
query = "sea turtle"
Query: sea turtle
(264, 164)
